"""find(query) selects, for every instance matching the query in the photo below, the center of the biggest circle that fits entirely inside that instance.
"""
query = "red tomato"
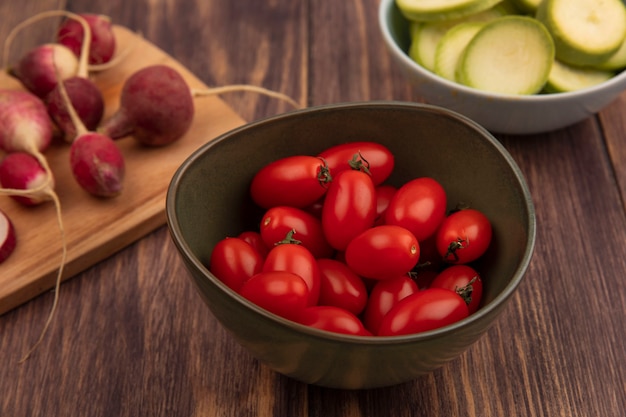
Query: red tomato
(280, 220)
(384, 194)
(280, 292)
(425, 310)
(296, 181)
(464, 236)
(341, 287)
(233, 261)
(465, 281)
(366, 156)
(384, 296)
(254, 239)
(333, 319)
(298, 260)
(419, 206)
(349, 207)
(383, 252)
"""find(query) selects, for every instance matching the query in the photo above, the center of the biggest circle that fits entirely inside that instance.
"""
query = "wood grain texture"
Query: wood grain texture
(132, 338)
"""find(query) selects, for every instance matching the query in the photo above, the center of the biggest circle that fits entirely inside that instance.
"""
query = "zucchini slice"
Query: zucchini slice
(425, 36)
(451, 47)
(585, 32)
(564, 77)
(438, 10)
(510, 55)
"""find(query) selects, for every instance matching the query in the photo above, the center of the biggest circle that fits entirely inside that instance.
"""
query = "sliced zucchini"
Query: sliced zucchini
(509, 55)
(564, 78)
(424, 40)
(451, 47)
(425, 36)
(438, 10)
(585, 32)
(617, 61)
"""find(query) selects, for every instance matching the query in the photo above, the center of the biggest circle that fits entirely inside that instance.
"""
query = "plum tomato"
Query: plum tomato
(384, 295)
(233, 261)
(419, 205)
(463, 236)
(349, 207)
(425, 310)
(383, 252)
(296, 181)
(278, 221)
(280, 292)
(255, 240)
(341, 287)
(333, 319)
(366, 156)
(299, 260)
(463, 279)
(384, 194)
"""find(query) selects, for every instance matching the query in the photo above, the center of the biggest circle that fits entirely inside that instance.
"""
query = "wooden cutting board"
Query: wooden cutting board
(96, 228)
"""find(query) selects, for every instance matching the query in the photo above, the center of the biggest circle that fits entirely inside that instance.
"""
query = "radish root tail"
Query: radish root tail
(57, 285)
(46, 188)
(245, 87)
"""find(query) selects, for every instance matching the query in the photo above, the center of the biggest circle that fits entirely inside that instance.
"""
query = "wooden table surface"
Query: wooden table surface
(132, 338)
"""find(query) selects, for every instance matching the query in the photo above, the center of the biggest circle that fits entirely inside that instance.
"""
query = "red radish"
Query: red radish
(36, 69)
(102, 47)
(24, 122)
(97, 163)
(7, 237)
(24, 179)
(87, 101)
(156, 107)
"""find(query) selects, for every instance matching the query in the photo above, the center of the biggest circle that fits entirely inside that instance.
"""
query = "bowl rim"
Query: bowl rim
(496, 303)
(386, 7)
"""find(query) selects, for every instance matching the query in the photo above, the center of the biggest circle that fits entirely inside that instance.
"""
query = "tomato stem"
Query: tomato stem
(455, 245)
(359, 163)
(466, 291)
(324, 176)
(289, 239)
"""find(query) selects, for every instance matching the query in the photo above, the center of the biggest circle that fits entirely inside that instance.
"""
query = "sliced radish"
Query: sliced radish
(7, 237)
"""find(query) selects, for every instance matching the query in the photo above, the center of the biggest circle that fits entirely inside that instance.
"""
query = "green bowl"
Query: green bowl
(208, 200)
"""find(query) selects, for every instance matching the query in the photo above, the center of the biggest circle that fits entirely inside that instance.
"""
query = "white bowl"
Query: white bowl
(503, 113)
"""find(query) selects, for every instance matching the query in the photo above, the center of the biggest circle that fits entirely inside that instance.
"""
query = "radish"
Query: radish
(7, 237)
(36, 69)
(97, 163)
(25, 180)
(156, 106)
(87, 100)
(24, 122)
(102, 47)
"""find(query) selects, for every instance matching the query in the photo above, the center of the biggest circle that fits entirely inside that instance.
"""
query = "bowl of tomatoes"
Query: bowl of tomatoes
(354, 245)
